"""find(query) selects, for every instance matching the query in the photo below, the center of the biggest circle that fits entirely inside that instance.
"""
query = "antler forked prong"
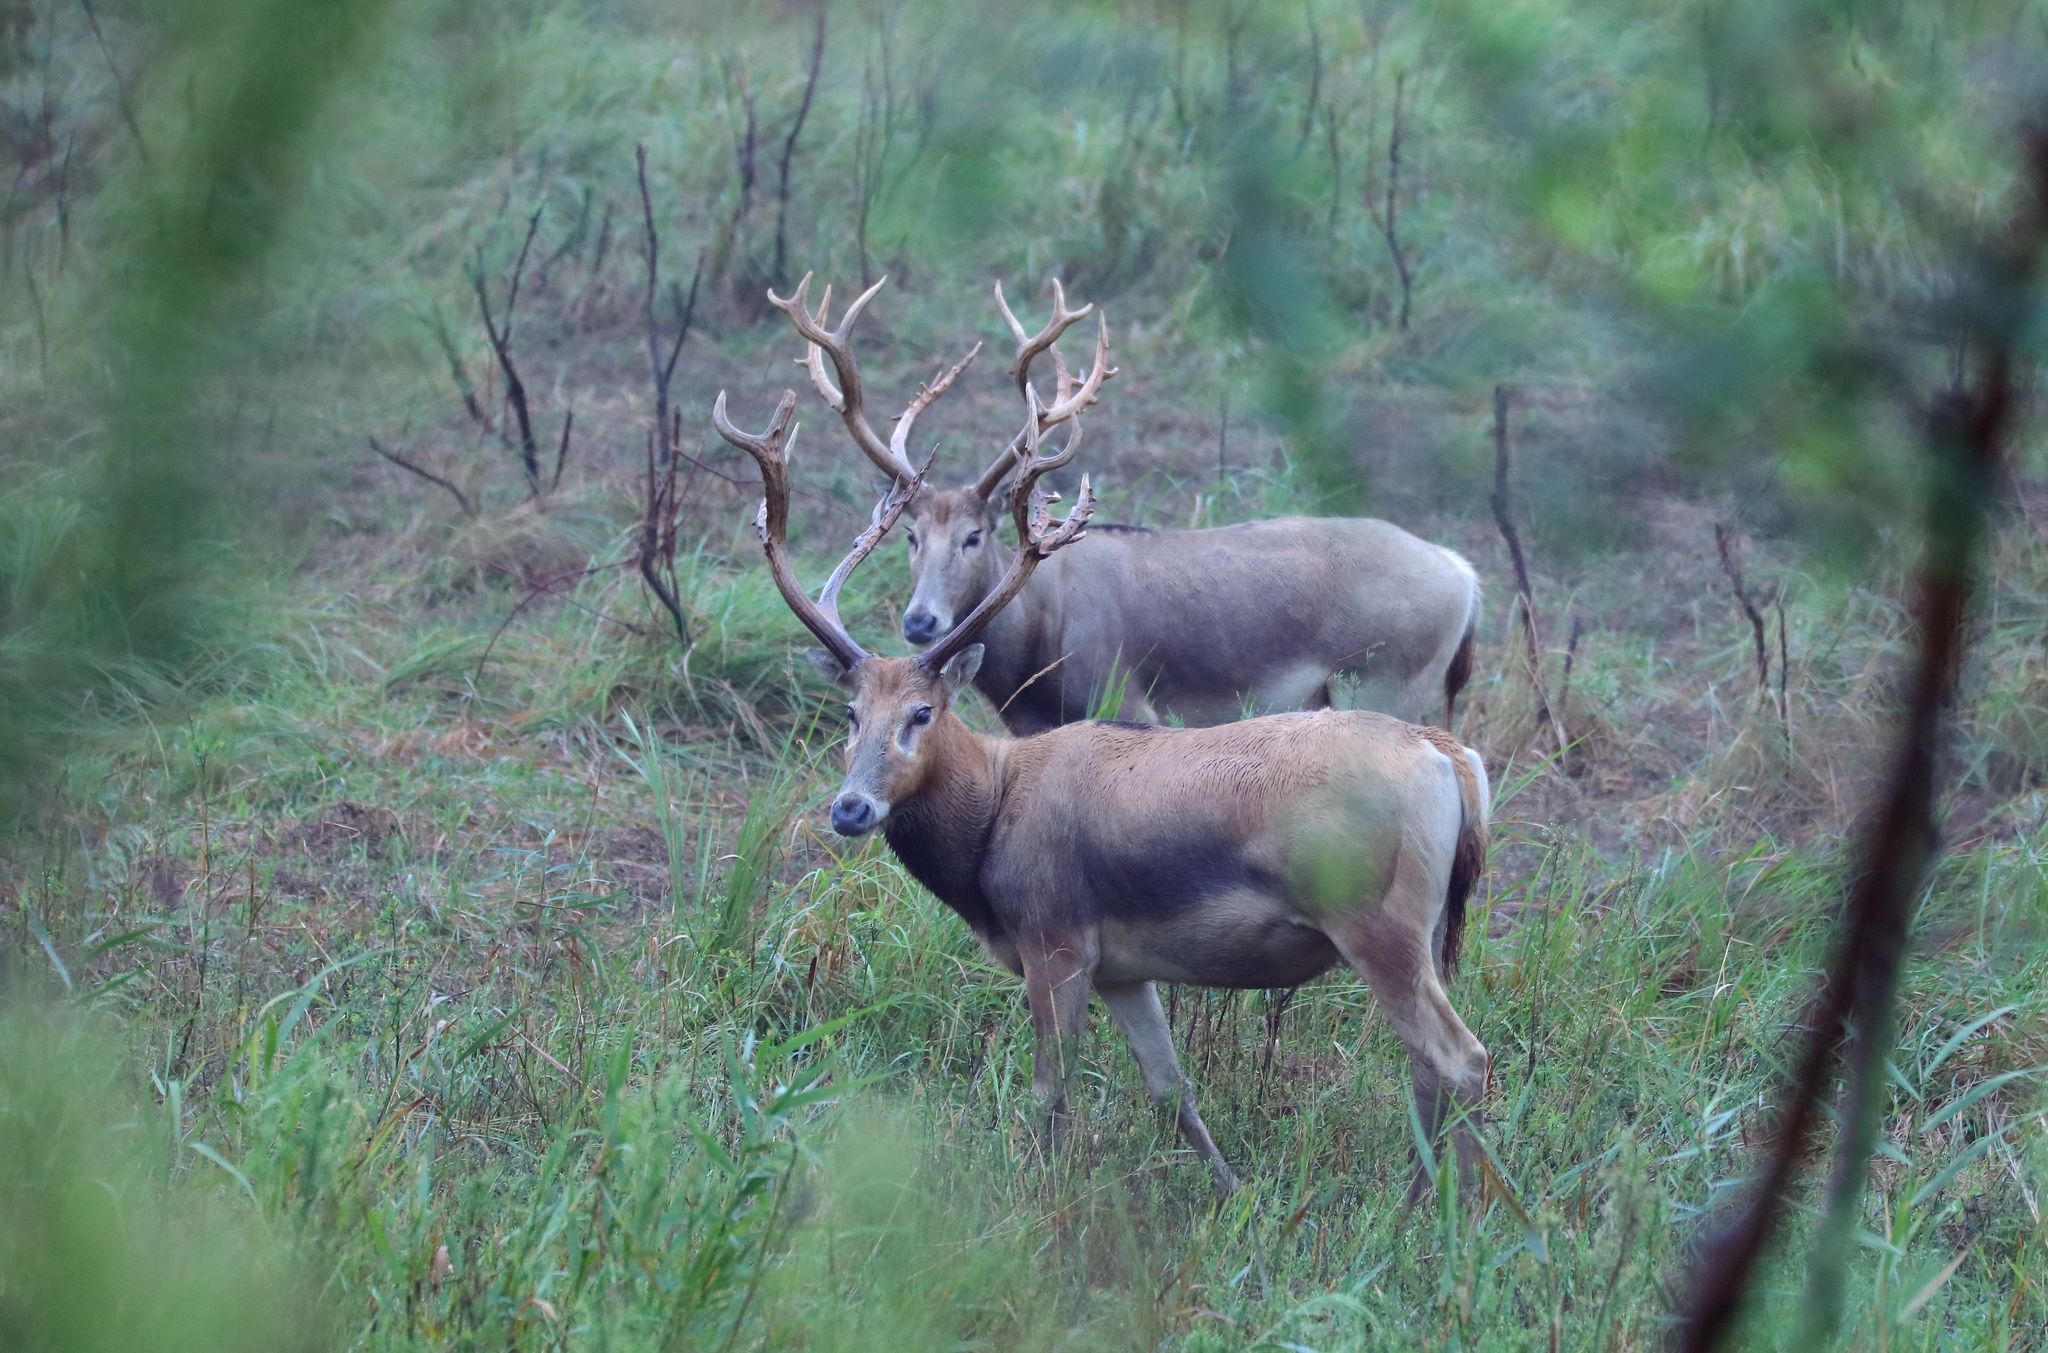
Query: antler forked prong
(847, 397)
(771, 522)
(1039, 534)
(1070, 396)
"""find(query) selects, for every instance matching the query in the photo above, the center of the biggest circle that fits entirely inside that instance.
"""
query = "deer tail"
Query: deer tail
(1468, 860)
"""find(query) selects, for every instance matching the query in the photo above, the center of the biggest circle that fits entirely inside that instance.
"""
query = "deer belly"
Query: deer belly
(1230, 941)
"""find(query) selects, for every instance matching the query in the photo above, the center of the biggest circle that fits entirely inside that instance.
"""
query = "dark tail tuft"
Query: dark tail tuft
(1459, 672)
(1468, 862)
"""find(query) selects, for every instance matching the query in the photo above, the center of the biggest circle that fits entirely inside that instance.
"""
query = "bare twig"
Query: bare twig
(1966, 434)
(1722, 538)
(1784, 663)
(1336, 164)
(501, 344)
(1388, 218)
(745, 142)
(1315, 77)
(1525, 598)
(871, 140)
(1571, 655)
(658, 536)
(796, 128)
(656, 557)
(460, 374)
(124, 101)
(535, 594)
(468, 508)
(562, 450)
(662, 369)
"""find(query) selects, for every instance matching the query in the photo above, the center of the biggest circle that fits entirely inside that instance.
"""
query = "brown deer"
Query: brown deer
(1112, 856)
(1202, 625)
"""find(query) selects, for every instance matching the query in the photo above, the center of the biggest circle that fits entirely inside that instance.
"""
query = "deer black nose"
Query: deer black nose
(920, 626)
(853, 814)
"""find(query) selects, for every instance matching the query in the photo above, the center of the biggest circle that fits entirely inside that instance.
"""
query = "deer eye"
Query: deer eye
(911, 536)
(852, 717)
(973, 539)
(921, 716)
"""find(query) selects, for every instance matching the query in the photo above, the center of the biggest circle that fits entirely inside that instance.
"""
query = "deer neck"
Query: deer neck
(1007, 636)
(941, 829)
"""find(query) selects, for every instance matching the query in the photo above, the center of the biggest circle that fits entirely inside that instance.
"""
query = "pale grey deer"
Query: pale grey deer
(1203, 626)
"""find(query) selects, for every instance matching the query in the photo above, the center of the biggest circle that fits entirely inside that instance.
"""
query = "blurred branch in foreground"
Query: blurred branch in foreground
(108, 585)
(1966, 433)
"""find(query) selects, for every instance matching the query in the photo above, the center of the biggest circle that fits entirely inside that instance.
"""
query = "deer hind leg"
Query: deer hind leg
(1056, 988)
(1135, 1007)
(1448, 1063)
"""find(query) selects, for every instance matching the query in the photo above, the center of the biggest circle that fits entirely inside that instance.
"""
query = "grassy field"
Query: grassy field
(431, 952)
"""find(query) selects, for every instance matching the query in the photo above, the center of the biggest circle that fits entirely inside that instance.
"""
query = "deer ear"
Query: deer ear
(960, 669)
(829, 667)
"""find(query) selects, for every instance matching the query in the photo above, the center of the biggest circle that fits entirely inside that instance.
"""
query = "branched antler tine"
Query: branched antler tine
(847, 400)
(1090, 389)
(813, 359)
(1028, 349)
(1010, 318)
(771, 523)
(1026, 504)
(1035, 542)
(927, 396)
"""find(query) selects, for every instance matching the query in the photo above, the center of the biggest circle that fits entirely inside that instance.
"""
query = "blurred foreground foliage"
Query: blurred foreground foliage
(476, 979)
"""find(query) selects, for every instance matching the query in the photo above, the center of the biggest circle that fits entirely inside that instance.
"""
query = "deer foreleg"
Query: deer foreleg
(1056, 986)
(1135, 1007)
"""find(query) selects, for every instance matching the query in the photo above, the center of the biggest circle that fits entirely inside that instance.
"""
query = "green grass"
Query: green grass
(487, 1077)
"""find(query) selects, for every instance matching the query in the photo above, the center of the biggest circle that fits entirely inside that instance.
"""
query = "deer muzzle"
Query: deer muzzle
(856, 814)
(921, 625)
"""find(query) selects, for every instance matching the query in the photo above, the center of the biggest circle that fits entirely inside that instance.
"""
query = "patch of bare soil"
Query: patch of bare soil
(344, 827)
(627, 865)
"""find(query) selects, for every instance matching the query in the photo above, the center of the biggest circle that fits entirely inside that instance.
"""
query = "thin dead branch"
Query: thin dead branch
(871, 140)
(1524, 597)
(1315, 77)
(661, 497)
(746, 142)
(1388, 216)
(500, 334)
(1723, 545)
(562, 449)
(124, 100)
(468, 508)
(1571, 656)
(535, 594)
(459, 373)
(1966, 432)
(1784, 663)
(803, 110)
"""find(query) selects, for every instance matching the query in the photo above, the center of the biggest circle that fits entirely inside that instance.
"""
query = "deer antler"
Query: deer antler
(1069, 395)
(847, 398)
(771, 523)
(1038, 534)
(1028, 349)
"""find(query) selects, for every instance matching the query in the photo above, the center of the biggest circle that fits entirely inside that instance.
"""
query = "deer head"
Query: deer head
(900, 724)
(954, 558)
